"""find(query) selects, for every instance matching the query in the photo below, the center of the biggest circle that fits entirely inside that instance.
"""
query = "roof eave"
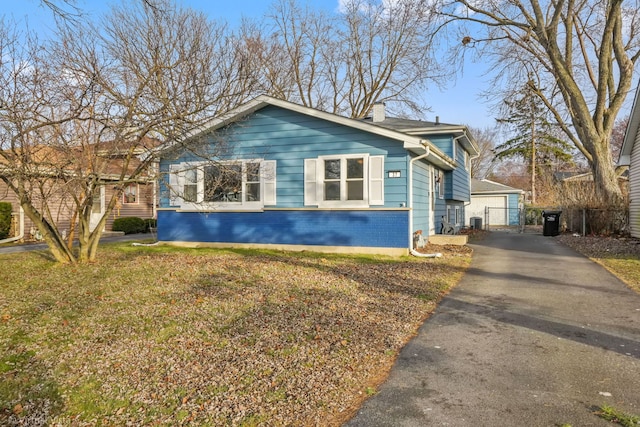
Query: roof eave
(497, 192)
(264, 100)
(411, 143)
(468, 142)
(631, 134)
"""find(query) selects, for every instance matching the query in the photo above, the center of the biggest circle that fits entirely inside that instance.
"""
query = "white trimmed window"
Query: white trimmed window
(130, 193)
(241, 184)
(352, 180)
(440, 184)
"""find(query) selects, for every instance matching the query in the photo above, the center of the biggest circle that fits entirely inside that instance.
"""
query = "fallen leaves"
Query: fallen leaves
(602, 247)
(226, 338)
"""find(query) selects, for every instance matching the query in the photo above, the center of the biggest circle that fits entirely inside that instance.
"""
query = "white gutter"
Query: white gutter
(413, 252)
(21, 234)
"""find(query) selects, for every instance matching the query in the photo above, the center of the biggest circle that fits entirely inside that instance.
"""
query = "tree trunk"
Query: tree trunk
(57, 246)
(89, 247)
(605, 179)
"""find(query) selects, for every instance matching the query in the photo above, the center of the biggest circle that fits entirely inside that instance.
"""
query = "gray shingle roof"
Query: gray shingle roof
(486, 186)
(408, 125)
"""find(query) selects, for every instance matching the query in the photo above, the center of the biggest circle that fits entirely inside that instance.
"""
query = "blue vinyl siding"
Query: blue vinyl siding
(459, 183)
(439, 211)
(395, 189)
(288, 137)
(420, 197)
(443, 143)
(365, 228)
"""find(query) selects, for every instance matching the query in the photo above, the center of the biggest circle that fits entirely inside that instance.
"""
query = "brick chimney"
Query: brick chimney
(378, 112)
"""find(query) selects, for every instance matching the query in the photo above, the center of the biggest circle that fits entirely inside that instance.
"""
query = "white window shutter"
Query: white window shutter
(175, 188)
(268, 168)
(376, 180)
(310, 182)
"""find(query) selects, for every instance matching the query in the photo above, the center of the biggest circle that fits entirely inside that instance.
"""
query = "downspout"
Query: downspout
(21, 234)
(427, 151)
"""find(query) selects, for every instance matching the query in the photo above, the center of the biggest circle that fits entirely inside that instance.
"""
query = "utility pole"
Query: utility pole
(532, 112)
(533, 155)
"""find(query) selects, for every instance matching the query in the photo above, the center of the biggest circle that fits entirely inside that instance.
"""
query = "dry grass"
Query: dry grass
(166, 336)
(619, 255)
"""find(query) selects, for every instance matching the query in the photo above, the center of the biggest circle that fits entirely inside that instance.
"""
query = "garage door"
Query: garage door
(497, 212)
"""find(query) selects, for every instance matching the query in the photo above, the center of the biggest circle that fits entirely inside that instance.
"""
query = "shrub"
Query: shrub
(130, 225)
(5, 219)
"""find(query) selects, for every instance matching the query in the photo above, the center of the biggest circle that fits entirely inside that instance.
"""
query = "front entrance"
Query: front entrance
(97, 209)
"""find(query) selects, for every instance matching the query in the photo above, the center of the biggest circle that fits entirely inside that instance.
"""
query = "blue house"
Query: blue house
(295, 178)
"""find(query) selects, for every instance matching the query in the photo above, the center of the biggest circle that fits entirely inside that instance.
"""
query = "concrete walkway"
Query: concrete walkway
(534, 335)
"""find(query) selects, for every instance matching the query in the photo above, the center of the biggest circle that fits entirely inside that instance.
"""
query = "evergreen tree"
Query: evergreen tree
(536, 139)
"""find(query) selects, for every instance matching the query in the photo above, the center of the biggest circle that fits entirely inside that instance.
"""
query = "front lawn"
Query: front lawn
(166, 336)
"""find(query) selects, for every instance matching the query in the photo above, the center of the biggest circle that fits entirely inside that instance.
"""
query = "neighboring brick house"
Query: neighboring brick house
(138, 200)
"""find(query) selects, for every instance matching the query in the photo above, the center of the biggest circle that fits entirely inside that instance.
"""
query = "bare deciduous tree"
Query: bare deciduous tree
(585, 53)
(482, 165)
(87, 109)
(344, 63)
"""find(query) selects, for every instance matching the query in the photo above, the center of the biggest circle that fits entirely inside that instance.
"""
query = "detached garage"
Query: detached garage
(495, 203)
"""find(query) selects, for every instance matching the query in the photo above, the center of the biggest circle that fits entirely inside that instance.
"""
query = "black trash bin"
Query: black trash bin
(476, 222)
(551, 225)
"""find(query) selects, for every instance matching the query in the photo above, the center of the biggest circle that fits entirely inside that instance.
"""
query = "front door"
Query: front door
(97, 209)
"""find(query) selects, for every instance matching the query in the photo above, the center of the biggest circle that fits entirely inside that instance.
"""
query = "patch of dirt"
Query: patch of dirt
(602, 247)
(446, 250)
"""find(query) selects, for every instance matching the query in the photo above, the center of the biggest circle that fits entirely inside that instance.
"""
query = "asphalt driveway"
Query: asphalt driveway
(108, 237)
(534, 335)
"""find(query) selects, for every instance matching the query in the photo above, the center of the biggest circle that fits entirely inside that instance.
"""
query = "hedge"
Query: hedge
(5, 219)
(130, 225)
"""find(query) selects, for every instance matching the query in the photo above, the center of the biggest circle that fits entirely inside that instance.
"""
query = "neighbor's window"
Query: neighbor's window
(130, 193)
